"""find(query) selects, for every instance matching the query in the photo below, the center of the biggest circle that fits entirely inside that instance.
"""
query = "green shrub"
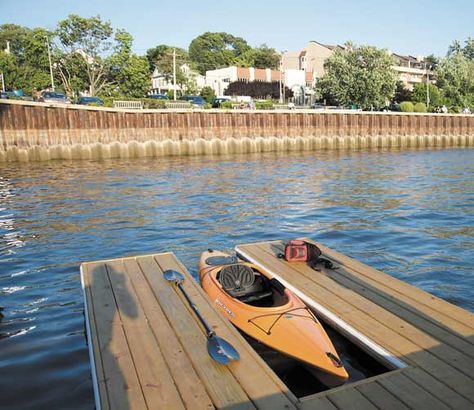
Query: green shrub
(153, 104)
(454, 109)
(407, 106)
(264, 105)
(420, 107)
(227, 104)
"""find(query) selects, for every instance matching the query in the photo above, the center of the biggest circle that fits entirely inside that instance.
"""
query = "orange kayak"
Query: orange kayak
(260, 306)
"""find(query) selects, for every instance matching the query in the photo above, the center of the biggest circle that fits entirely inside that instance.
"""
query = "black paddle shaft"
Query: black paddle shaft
(209, 331)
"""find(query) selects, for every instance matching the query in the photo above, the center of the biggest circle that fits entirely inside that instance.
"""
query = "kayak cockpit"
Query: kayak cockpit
(251, 287)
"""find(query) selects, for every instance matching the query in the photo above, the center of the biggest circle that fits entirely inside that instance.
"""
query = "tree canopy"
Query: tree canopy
(359, 75)
(215, 50)
(455, 77)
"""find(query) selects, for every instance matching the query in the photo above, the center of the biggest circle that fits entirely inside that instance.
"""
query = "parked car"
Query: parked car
(195, 100)
(392, 107)
(216, 102)
(53, 97)
(90, 101)
(158, 96)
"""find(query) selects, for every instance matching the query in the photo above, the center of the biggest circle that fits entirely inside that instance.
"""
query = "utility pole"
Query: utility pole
(174, 74)
(50, 65)
(427, 87)
(281, 69)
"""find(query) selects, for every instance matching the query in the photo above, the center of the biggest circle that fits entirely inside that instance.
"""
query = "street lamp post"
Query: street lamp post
(50, 65)
(282, 83)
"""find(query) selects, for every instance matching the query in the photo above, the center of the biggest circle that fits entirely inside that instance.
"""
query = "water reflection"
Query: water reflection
(409, 213)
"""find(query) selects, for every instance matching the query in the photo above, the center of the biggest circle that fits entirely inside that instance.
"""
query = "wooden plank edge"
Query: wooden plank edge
(95, 382)
(353, 385)
(104, 261)
(368, 345)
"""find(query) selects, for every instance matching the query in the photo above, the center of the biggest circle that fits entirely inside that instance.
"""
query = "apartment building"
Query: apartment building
(411, 70)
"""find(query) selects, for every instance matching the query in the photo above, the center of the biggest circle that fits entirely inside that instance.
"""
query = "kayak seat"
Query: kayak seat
(240, 282)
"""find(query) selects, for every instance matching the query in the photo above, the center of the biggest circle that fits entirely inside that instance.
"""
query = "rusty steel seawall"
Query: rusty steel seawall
(34, 131)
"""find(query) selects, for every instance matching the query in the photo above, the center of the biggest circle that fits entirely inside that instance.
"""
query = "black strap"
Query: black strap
(327, 264)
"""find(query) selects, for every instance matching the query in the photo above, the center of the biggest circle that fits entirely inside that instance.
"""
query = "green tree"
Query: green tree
(419, 94)
(15, 35)
(11, 72)
(91, 40)
(161, 58)
(208, 94)
(129, 73)
(467, 50)
(359, 75)
(215, 50)
(455, 78)
(266, 57)
(29, 56)
(402, 93)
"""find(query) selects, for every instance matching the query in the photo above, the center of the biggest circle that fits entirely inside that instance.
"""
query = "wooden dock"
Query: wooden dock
(430, 340)
(148, 350)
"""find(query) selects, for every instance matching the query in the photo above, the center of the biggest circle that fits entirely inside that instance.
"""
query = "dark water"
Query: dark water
(409, 213)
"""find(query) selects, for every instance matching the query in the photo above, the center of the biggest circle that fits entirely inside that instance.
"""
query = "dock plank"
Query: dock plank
(380, 397)
(190, 387)
(350, 399)
(123, 386)
(319, 403)
(410, 393)
(93, 330)
(437, 388)
(220, 383)
(155, 379)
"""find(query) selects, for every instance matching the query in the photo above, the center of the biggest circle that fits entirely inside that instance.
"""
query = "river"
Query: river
(409, 213)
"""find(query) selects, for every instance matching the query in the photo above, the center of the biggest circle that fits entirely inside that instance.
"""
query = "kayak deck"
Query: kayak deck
(429, 340)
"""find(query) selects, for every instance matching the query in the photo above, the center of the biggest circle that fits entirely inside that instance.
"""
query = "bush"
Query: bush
(264, 105)
(420, 107)
(407, 106)
(152, 103)
(227, 104)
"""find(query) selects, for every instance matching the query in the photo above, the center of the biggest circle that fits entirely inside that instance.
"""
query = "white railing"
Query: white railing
(181, 105)
(134, 105)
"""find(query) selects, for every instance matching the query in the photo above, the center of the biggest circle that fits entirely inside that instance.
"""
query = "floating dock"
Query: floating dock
(148, 349)
(429, 340)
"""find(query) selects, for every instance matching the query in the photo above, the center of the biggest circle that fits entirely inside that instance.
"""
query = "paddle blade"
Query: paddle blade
(173, 276)
(220, 350)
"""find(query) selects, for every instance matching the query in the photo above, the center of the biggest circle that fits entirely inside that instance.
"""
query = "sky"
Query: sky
(412, 27)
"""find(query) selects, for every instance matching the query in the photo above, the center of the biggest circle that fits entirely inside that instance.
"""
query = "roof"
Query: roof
(330, 47)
